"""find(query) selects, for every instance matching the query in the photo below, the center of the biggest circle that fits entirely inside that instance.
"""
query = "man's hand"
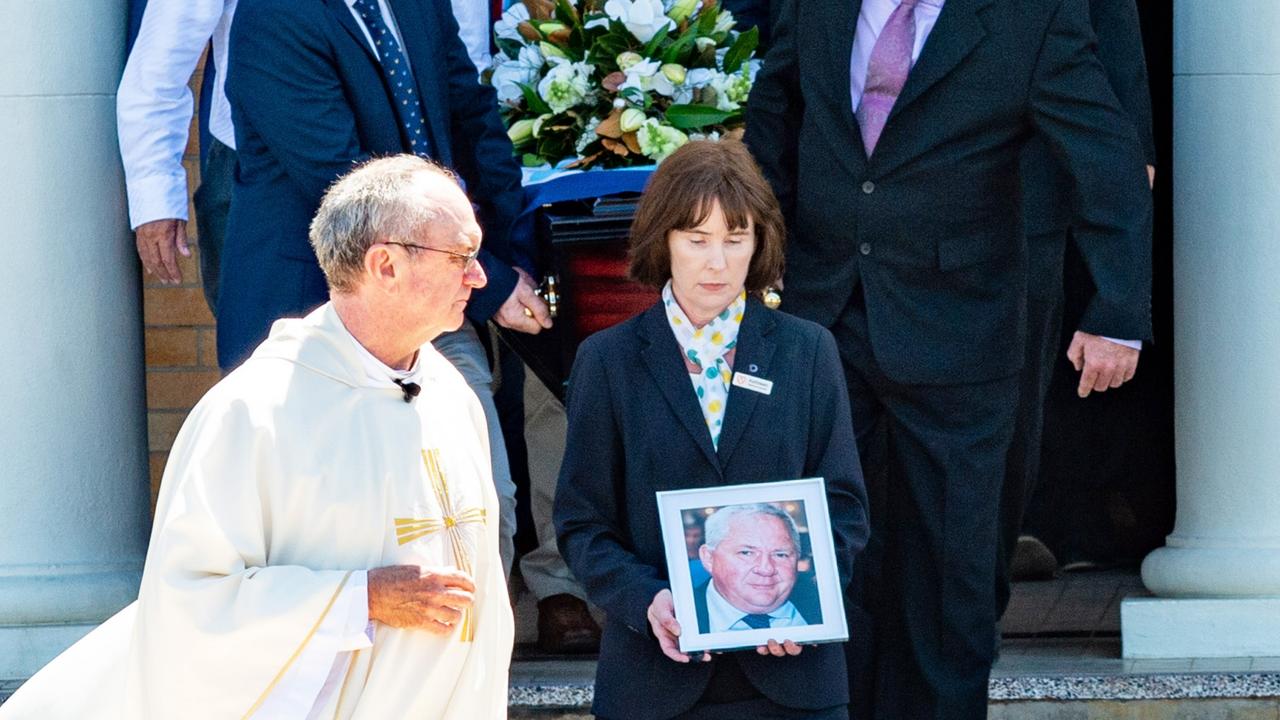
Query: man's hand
(524, 310)
(1102, 364)
(662, 620)
(1151, 176)
(431, 599)
(159, 241)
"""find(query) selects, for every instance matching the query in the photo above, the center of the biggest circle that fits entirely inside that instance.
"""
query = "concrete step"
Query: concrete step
(1035, 679)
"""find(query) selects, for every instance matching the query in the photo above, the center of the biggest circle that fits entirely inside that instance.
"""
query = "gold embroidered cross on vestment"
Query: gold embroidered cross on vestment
(453, 517)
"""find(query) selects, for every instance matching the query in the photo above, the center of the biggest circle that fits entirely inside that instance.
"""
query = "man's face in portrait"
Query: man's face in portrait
(754, 566)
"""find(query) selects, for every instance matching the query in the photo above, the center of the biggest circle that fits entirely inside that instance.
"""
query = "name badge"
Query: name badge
(753, 383)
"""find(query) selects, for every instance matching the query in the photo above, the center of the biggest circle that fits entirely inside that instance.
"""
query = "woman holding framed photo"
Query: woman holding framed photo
(707, 388)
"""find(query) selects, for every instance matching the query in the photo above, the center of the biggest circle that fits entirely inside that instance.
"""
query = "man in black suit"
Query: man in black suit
(895, 156)
(1046, 192)
(318, 85)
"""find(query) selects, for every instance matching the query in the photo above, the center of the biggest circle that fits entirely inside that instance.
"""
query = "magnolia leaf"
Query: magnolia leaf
(675, 53)
(531, 160)
(585, 162)
(561, 37)
(611, 127)
(615, 146)
(567, 14)
(541, 9)
(534, 101)
(707, 17)
(633, 142)
(528, 31)
(651, 48)
(613, 80)
(741, 50)
(692, 117)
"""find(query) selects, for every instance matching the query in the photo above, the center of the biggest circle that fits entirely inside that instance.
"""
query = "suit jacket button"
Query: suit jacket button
(865, 248)
(868, 187)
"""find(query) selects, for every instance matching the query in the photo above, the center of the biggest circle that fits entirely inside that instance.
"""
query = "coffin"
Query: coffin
(582, 246)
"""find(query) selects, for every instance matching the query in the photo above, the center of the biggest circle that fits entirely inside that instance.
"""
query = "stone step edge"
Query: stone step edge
(1024, 688)
(1172, 686)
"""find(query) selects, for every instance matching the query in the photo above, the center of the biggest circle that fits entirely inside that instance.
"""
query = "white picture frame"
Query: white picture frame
(815, 588)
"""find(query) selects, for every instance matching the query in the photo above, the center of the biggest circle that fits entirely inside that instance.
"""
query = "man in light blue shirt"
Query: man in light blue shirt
(752, 553)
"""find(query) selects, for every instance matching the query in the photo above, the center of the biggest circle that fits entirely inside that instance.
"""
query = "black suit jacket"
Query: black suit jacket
(931, 224)
(635, 427)
(308, 99)
(1046, 186)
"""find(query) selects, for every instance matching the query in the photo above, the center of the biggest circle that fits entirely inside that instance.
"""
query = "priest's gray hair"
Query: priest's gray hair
(376, 202)
(717, 525)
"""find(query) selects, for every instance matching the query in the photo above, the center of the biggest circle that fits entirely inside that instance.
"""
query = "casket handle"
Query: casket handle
(549, 291)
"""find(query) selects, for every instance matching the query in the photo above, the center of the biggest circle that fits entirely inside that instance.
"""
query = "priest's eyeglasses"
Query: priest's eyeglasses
(469, 260)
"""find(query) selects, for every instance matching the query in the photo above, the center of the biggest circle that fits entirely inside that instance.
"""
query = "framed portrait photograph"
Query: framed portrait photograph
(752, 563)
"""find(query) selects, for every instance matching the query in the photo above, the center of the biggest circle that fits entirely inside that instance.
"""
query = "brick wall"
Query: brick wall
(181, 361)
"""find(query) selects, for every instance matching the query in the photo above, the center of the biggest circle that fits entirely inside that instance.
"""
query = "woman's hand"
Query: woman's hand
(779, 649)
(662, 620)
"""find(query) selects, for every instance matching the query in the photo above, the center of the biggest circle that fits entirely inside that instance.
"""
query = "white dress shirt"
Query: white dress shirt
(722, 616)
(871, 20)
(154, 103)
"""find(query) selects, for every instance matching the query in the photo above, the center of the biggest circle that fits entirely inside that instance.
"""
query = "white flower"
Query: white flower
(643, 18)
(566, 84)
(645, 76)
(597, 21)
(588, 135)
(674, 72)
(725, 22)
(505, 28)
(524, 69)
(631, 120)
(678, 10)
(520, 131)
(657, 141)
(693, 79)
(732, 90)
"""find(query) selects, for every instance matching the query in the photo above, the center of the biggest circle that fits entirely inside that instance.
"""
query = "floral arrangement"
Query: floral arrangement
(616, 83)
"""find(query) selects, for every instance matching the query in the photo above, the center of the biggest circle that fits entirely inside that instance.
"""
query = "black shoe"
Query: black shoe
(1032, 560)
(565, 626)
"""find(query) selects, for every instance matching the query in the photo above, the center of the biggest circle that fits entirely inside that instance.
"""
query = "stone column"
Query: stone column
(74, 498)
(1217, 580)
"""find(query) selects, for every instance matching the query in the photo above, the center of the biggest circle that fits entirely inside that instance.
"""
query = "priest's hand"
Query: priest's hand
(662, 620)
(524, 310)
(431, 599)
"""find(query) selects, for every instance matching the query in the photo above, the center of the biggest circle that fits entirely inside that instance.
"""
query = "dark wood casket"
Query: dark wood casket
(582, 246)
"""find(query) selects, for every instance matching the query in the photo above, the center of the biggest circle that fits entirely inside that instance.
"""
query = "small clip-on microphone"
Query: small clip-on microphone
(411, 389)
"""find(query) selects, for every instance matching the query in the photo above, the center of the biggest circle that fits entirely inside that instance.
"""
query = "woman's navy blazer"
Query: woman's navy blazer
(635, 427)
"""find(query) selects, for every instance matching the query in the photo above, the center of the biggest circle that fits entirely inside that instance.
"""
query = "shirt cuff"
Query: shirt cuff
(1135, 344)
(157, 197)
(357, 629)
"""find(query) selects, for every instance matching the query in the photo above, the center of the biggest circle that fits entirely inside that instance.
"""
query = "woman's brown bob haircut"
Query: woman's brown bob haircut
(680, 196)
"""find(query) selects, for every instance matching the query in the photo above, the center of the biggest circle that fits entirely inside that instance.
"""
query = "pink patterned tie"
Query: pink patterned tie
(887, 72)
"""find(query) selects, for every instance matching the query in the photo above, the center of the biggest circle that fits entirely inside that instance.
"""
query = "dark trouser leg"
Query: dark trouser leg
(928, 578)
(1044, 325)
(213, 202)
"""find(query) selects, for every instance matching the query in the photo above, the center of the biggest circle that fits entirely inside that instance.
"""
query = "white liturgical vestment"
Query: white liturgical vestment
(292, 476)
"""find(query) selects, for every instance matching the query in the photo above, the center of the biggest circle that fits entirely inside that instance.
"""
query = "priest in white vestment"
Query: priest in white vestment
(326, 539)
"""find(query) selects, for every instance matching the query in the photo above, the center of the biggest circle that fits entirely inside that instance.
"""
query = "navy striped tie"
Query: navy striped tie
(395, 70)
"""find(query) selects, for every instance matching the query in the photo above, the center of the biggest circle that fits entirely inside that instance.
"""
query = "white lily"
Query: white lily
(505, 28)
(525, 69)
(643, 18)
